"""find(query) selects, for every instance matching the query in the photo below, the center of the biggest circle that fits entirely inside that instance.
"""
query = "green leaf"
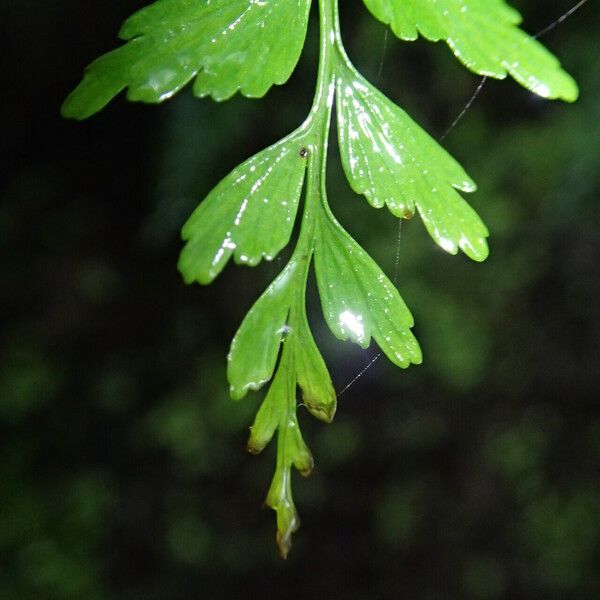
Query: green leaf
(263, 328)
(227, 46)
(280, 499)
(484, 36)
(269, 415)
(278, 412)
(249, 214)
(392, 161)
(358, 300)
(312, 375)
(279, 316)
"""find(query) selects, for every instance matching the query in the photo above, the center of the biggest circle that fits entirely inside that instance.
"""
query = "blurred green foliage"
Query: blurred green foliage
(473, 476)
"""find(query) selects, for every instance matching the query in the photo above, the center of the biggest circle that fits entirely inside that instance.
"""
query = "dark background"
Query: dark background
(123, 472)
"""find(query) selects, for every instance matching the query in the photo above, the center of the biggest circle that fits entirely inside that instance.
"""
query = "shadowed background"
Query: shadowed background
(123, 472)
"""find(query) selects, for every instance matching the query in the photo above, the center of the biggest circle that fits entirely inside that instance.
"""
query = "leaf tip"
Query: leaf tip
(253, 446)
(570, 92)
(417, 358)
(261, 433)
(284, 543)
(236, 393)
(192, 271)
(71, 108)
(478, 251)
(323, 412)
